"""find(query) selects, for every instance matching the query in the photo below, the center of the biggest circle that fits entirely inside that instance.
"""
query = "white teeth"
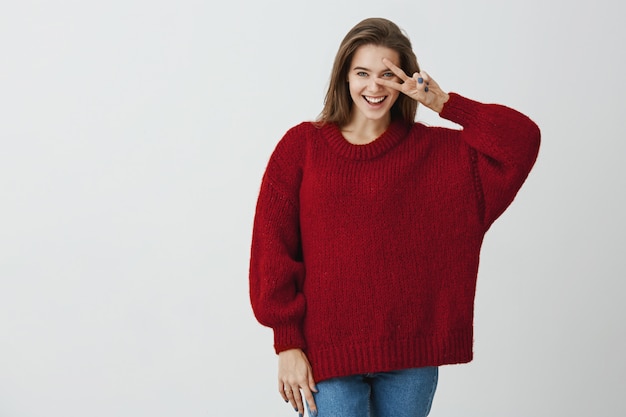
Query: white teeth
(374, 100)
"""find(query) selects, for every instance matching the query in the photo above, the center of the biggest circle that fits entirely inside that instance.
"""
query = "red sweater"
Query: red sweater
(366, 256)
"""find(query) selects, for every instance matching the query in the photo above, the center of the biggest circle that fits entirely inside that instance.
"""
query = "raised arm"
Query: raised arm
(504, 143)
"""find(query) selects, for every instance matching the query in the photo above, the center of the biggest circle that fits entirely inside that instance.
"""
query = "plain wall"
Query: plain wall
(133, 137)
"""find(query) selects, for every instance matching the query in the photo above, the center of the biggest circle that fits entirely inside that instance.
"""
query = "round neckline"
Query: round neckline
(394, 134)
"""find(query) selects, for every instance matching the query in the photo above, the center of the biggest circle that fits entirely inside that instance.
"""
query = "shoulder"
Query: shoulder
(292, 146)
(296, 136)
(300, 131)
(290, 151)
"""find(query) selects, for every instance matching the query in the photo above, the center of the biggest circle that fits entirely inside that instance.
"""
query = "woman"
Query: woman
(368, 230)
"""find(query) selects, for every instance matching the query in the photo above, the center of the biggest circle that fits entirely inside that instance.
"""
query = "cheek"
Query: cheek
(393, 95)
(354, 89)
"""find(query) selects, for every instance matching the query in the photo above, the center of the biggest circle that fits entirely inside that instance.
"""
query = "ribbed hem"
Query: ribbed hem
(395, 133)
(288, 337)
(458, 109)
(346, 360)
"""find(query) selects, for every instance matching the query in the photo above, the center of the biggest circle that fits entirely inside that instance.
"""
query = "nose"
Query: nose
(374, 86)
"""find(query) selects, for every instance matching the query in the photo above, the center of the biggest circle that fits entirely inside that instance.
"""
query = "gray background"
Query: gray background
(133, 139)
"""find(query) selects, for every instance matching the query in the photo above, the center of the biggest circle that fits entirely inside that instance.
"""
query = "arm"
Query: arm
(276, 268)
(504, 146)
(503, 142)
(277, 273)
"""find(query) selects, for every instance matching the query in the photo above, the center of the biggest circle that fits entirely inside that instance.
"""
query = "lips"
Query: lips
(374, 100)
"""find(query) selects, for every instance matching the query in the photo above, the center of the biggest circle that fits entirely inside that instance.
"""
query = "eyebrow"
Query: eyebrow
(367, 69)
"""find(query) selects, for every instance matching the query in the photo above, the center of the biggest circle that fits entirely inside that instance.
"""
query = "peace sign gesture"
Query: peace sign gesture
(420, 87)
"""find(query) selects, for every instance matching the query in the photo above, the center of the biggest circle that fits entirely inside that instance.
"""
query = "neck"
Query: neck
(361, 131)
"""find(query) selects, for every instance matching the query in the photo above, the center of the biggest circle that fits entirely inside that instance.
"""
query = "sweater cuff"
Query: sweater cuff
(458, 109)
(288, 337)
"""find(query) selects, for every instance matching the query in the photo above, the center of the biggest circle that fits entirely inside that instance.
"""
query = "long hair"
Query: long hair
(372, 31)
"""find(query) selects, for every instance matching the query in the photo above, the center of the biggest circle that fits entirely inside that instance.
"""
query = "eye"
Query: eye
(361, 74)
(389, 74)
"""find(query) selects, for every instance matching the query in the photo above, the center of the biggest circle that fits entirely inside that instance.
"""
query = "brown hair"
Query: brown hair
(372, 31)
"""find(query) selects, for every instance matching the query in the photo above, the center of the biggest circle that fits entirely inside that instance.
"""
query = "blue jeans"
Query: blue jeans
(403, 393)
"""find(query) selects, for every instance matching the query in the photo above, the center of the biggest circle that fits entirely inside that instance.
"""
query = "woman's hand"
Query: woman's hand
(295, 374)
(420, 87)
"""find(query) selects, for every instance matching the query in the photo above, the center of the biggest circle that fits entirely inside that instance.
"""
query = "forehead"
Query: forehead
(371, 56)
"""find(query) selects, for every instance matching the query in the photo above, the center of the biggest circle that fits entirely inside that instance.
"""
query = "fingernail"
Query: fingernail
(420, 80)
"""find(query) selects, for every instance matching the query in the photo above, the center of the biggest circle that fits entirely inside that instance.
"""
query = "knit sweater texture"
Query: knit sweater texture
(366, 256)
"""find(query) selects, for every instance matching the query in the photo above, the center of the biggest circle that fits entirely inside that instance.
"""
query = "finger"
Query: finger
(395, 69)
(430, 83)
(421, 81)
(388, 83)
(298, 400)
(286, 393)
(312, 385)
(290, 393)
(310, 400)
(427, 78)
(282, 390)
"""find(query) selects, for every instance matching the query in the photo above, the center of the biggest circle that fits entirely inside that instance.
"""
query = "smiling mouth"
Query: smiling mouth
(374, 100)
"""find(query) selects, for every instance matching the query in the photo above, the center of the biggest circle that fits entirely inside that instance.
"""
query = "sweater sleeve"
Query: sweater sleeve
(276, 269)
(503, 148)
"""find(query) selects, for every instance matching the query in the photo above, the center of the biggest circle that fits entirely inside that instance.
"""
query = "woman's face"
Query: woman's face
(371, 100)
